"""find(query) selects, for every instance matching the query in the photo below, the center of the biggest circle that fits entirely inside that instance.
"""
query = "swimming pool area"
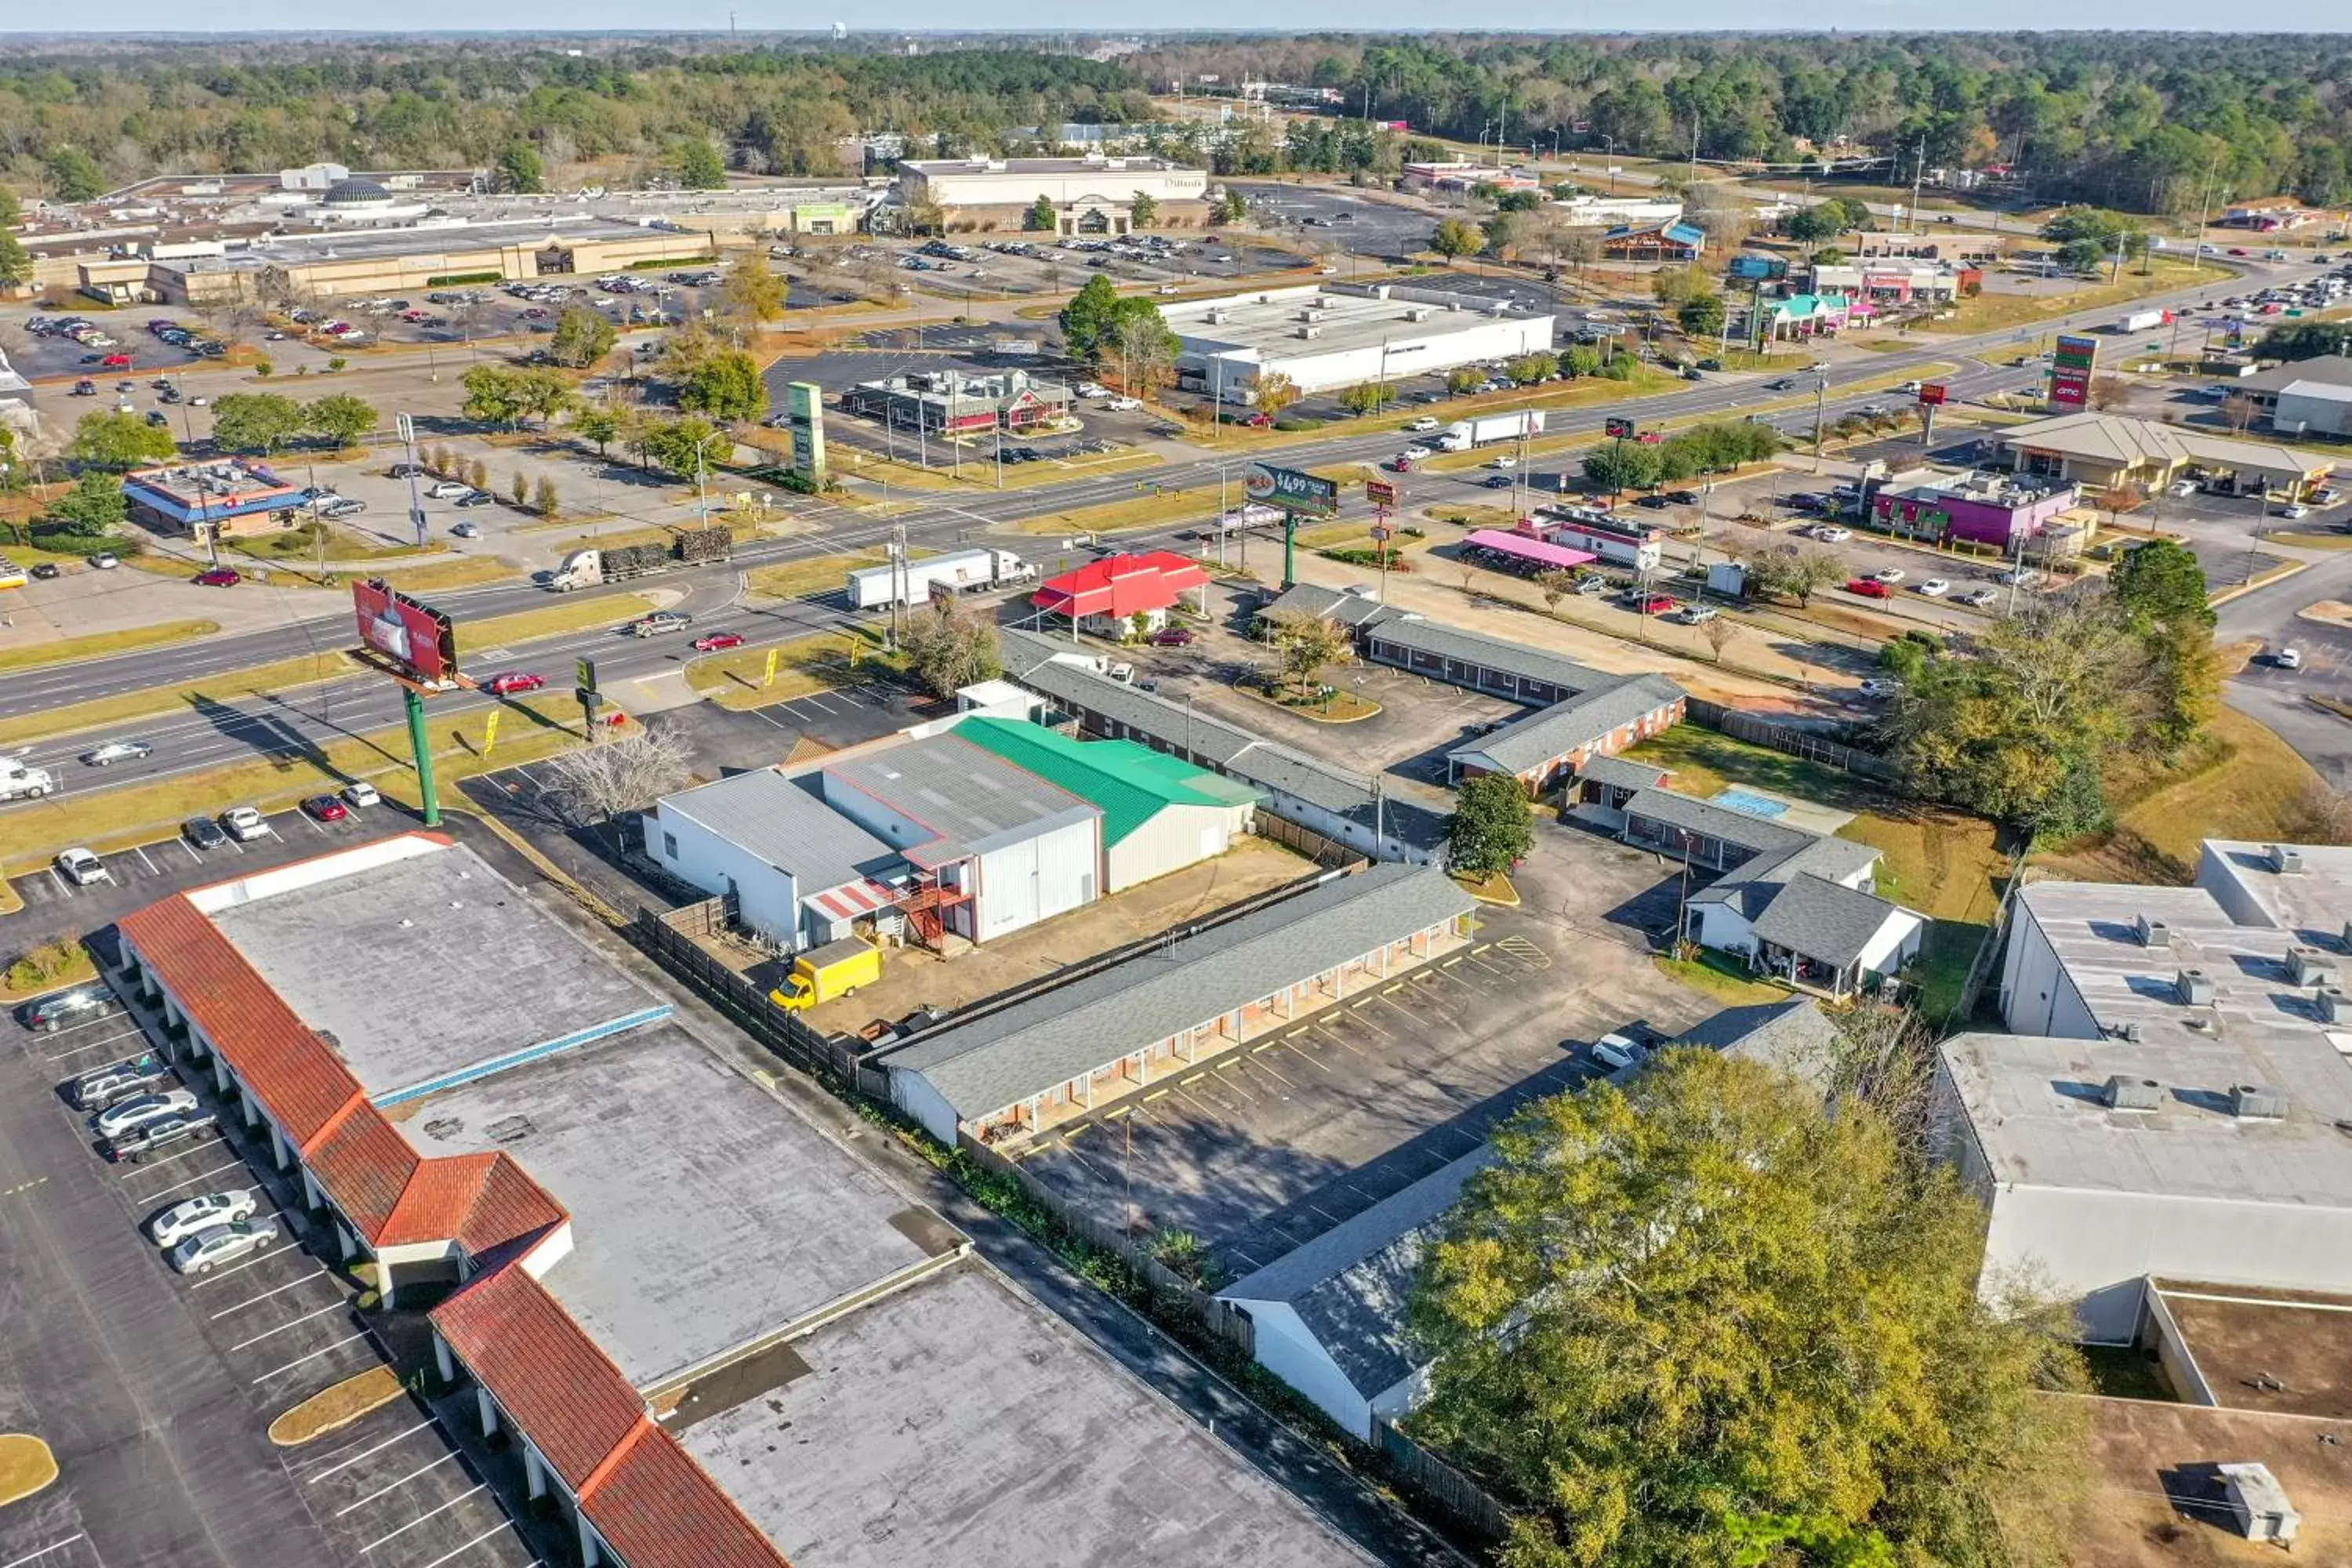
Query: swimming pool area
(1749, 802)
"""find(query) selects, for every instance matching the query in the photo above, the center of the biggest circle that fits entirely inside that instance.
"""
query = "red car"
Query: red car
(115, 362)
(1865, 588)
(218, 577)
(326, 808)
(2236, 250)
(1175, 636)
(512, 682)
(718, 640)
(1658, 604)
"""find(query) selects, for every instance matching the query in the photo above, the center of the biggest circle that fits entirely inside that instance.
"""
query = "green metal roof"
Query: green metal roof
(1130, 784)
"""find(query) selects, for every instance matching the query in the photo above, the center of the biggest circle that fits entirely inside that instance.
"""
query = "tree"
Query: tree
(2082, 255)
(678, 444)
(1303, 644)
(1816, 225)
(1087, 317)
(11, 210)
(1625, 466)
(582, 337)
(1274, 392)
(698, 164)
(549, 502)
(1144, 345)
(75, 174)
(726, 386)
(493, 395)
(598, 425)
(1674, 1317)
(1500, 234)
(594, 784)
(1675, 286)
(519, 488)
(1141, 210)
(1528, 369)
(1555, 584)
(753, 291)
(2160, 588)
(2161, 583)
(1488, 831)
(1042, 217)
(1455, 238)
(1464, 380)
(949, 648)
(520, 169)
(342, 418)
(16, 267)
(1701, 316)
(1363, 399)
(1234, 208)
(93, 506)
(477, 474)
(1794, 572)
(119, 441)
(2109, 391)
(2305, 340)
(1719, 634)
(261, 422)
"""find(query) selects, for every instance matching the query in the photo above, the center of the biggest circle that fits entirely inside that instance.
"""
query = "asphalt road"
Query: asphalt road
(309, 717)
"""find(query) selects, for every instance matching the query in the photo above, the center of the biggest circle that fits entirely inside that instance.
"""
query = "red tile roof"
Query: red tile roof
(297, 1074)
(440, 1195)
(507, 1205)
(1121, 584)
(365, 1165)
(543, 1370)
(657, 1508)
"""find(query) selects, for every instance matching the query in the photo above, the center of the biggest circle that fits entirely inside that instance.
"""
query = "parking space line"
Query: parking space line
(274, 1291)
(381, 1491)
(44, 1552)
(314, 1355)
(55, 1056)
(57, 882)
(470, 1545)
(363, 1452)
(168, 1159)
(190, 1182)
(296, 1323)
(233, 1268)
(112, 1017)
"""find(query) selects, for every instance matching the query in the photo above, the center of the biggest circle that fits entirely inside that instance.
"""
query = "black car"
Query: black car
(44, 569)
(1654, 502)
(476, 497)
(1803, 501)
(203, 833)
(1498, 481)
(1683, 497)
(77, 1006)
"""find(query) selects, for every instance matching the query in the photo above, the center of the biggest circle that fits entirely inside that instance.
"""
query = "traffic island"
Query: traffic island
(1324, 705)
(1495, 887)
(26, 1466)
(334, 1408)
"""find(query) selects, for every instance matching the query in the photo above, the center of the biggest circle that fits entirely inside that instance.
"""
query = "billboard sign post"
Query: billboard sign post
(2075, 360)
(417, 646)
(1380, 493)
(804, 416)
(1295, 490)
(1932, 395)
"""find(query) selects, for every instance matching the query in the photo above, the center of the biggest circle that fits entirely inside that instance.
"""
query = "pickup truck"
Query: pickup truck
(149, 1139)
(660, 621)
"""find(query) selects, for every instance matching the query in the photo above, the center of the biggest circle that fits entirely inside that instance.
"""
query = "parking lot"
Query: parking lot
(1278, 1142)
(154, 1388)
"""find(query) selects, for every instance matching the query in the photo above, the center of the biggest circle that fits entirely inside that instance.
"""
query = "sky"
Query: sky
(1300, 15)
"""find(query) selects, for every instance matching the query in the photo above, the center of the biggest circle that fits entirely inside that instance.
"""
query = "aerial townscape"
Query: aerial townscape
(1122, 791)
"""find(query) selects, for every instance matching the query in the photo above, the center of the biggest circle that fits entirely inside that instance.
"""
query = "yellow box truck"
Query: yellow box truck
(821, 974)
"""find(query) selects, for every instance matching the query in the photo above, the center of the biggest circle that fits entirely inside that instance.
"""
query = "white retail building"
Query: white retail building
(1330, 336)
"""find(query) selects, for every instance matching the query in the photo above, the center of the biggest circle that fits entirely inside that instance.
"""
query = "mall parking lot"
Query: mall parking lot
(146, 872)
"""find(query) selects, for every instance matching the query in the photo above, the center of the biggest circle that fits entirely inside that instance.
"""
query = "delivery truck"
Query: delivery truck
(19, 781)
(1489, 429)
(821, 974)
(2144, 321)
(619, 563)
(958, 572)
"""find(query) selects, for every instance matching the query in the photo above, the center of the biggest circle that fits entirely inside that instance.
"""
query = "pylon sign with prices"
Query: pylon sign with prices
(1380, 493)
(2075, 360)
(1295, 490)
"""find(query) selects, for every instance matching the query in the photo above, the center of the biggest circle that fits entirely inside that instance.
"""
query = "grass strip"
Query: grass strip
(101, 711)
(98, 645)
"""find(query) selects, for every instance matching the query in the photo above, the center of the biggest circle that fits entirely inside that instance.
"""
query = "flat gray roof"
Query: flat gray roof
(957, 1422)
(1004, 1058)
(1267, 322)
(2335, 370)
(2314, 902)
(427, 966)
(782, 821)
(972, 800)
(2033, 1102)
(2093, 928)
(705, 1214)
(296, 250)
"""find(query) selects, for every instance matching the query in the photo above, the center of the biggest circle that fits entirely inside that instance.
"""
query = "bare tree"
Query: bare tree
(1718, 635)
(595, 783)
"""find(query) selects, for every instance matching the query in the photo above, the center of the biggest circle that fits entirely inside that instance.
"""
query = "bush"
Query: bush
(338, 363)
(452, 279)
(1294, 424)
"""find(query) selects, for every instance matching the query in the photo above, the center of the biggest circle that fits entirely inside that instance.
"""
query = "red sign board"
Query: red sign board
(416, 637)
(2070, 388)
(1931, 392)
(1618, 429)
(1649, 439)
(1380, 493)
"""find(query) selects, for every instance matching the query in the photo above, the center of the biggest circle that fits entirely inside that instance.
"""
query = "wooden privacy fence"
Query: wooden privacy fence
(1789, 738)
(743, 1000)
(1462, 1499)
(1305, 840)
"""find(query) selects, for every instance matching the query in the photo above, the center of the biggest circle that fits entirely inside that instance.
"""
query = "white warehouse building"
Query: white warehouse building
(957, 183)
(2175, 1101)
(1329, 336)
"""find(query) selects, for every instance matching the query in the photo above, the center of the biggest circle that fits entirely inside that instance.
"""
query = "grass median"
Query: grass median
(99, 645)
(1146, 510)
(738, 679)
(554, 620)
(819, 574)
(102, 711)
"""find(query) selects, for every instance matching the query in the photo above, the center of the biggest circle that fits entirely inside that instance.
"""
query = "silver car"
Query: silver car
(117, 1120)
(191, 1216)
(209, 1249)
(116, 751)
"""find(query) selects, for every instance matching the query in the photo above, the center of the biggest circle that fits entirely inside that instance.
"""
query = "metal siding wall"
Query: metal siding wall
(1168, 842)
(764, 895)
(1008, 890)
(1069, 867)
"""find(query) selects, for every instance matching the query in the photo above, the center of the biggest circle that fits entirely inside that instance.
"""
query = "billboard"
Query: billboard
(804, 417)
(417, 638)
(1931, 392)
(1617, 429)
(2070, 368)
(1295, 490)
(1380, 493)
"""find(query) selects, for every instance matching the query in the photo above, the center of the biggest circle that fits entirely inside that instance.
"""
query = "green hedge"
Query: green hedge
(667, 261)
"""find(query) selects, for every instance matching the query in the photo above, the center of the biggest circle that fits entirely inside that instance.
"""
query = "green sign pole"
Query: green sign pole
(1289, 549)
(422, 750)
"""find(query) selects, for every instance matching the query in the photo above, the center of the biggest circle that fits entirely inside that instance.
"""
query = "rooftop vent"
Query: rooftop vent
(2258, 1102)
(2334, 1003)
(1310, 332)
(2123, 1093)
(2155, 933)
(2310, 967)
(1420, 313)
(2194, 986)
(2287, 862)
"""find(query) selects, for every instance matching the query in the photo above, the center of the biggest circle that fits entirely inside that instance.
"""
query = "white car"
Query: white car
(244, 822)
(117, 1120)
(1829, 533)
(81, 867)
(1887, 575)
(449, 490)
(2018, 576)
(185, 1218)
(2181, 487)
(1424, 423)
(208, 1249)
(2296, 510)
(1503, 463)
(1414, 454)
(1698, 615)
(1978, 597)
(1616, 1051)
(1123, 405)
(1093, 389)
(105, 561)
(360, 793)
(2288, 658)
(1934, 588)
(1878, 686)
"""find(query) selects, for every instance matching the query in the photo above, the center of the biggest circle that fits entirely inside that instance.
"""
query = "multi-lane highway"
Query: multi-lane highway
(310, 717)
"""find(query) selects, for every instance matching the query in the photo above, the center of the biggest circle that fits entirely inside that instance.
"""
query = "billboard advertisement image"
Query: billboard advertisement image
(416, 639)
(1294, 490)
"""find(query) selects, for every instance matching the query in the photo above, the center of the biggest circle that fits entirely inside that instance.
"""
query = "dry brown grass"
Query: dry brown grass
(333, 1409)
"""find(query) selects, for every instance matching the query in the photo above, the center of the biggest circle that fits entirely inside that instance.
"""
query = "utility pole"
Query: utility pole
(407, 429)
(1694, 165)
(1919, 178)
(1820, 396)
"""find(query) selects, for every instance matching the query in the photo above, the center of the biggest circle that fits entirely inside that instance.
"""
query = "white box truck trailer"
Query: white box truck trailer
(960, 572)
(1487, 429)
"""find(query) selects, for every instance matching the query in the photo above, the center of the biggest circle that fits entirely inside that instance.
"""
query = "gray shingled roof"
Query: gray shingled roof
(1328, 603)
(1754, 885)
(1581, 721)
(1493, 653)
(1028, 1048)
(1716, 822)
(772, 818)
(1623, 772)
(1795, 1035)
(1351, 1285)
(2335, 370)
(1823, 921)
(970, 799)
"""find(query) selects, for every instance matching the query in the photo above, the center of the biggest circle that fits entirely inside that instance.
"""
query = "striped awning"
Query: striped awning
(852, 899)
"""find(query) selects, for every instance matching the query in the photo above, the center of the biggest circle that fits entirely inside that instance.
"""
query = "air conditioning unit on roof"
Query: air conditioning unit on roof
(2125, 1093)
(2285, 861)
(2155, 933)
(2258, 1102)
(2194, 987)
(2310, 967)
